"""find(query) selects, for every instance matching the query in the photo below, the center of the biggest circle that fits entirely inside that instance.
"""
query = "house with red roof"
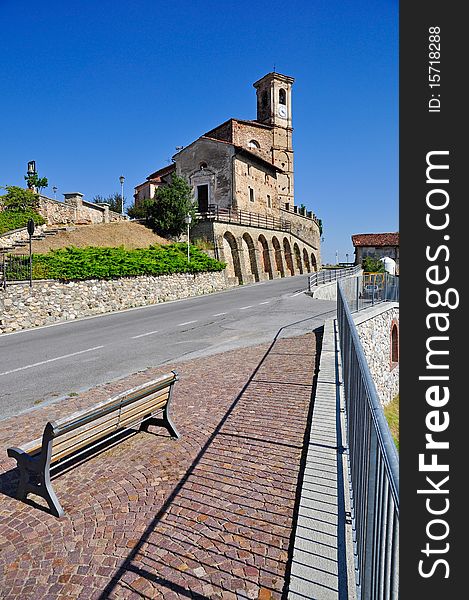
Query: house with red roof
(376, 245)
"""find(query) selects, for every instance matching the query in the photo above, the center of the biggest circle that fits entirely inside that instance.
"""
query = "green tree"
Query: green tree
(114, 201)
(35, 182)
(142, 210)
(372, 264)
(19, 199)
(172, 204)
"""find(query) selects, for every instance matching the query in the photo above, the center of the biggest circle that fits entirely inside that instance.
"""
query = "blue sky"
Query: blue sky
(95, 90)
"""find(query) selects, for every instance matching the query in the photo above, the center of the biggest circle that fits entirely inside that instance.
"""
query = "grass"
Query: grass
(391, 412)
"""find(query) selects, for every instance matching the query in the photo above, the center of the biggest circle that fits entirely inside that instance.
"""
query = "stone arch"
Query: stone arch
(250, 259)
(306, 260)
(314, 263)
(394, 343)
(278, 256)
(297, 253)
(230, 250)
(265, 256)
(288, 256)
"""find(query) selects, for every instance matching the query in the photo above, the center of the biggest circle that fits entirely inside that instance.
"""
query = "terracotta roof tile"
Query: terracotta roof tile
(376, 239)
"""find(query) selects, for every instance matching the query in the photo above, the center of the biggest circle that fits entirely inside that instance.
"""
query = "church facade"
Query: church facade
(241, 174)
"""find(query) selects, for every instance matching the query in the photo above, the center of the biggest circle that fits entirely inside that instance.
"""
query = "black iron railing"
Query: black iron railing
(244, 218)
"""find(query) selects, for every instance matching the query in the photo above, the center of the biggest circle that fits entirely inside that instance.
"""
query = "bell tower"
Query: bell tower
(274, 100)
(274, 109)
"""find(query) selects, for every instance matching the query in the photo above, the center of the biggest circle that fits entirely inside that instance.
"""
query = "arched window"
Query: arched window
(202, 166)
(254, 144)
(394, 345)
(282, 96)
(265, 99)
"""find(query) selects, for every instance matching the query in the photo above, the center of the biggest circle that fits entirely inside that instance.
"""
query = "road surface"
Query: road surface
(47, 364)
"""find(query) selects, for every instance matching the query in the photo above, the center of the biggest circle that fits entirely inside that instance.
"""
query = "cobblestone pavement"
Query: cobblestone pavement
(207, 516)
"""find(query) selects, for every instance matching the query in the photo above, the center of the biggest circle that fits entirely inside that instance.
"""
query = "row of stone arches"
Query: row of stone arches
(251, 259)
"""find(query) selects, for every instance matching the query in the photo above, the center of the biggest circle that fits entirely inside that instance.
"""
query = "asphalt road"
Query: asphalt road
(47, 364)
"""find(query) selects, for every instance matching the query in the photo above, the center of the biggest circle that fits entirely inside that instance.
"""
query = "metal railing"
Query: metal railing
(330, 275)
(373, 469)
(370, 289)
(241, 217)
(14, 268)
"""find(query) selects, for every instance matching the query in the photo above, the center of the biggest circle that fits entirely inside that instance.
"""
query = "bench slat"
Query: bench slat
(59, 455)
(137, 413)
(106, 406)
(101, 427)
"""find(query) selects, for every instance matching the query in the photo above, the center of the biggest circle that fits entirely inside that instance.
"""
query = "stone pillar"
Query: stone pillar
(245, 274)
(74, 199)
(273, 263)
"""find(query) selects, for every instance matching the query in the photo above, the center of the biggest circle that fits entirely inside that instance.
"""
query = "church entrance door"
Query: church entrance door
(202, 198)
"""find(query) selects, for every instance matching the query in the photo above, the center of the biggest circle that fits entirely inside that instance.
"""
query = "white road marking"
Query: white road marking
(297, 294)
(186, 323)
(268, 302)
(220, 314)
(244, 307)
(144, 334)
(43, 362)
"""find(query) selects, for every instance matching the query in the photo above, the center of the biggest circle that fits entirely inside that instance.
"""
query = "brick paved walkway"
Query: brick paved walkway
(207, 516)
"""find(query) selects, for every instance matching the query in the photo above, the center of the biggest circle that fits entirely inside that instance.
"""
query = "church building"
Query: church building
(241, 174)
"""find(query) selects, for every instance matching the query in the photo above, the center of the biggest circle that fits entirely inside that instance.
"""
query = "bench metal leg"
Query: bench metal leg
(160, 422)
(31, 469)
(170, 426)
(47, 492)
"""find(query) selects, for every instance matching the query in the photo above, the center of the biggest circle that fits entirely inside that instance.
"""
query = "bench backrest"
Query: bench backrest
(79, 430)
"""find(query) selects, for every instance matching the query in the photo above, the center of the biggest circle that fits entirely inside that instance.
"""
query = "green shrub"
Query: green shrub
(108, 263)
(15, 219)
(18, 198)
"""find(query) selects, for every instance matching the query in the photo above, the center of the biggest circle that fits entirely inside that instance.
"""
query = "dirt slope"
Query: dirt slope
(127, 233)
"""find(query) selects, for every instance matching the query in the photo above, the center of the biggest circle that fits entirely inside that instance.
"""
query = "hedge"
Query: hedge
(72, 263)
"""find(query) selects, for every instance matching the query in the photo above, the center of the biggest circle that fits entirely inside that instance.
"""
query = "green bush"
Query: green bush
(15, 219)
(18, 198)
(108, 263)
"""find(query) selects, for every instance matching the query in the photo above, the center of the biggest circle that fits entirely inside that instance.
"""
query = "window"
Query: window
(251, 194)
(282, 96)
(202, 166)
(254, 144)
(265, 99)
(269, 201)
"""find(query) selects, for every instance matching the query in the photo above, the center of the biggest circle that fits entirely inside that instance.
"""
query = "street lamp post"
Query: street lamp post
(187, 221)
(122, 179)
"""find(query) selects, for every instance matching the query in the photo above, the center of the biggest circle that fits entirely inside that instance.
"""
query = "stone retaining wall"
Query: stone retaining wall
(76, 210)
(46, 302)
(19, 235)
(374, 329)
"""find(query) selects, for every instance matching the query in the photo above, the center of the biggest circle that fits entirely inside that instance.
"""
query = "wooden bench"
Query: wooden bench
(66, 439)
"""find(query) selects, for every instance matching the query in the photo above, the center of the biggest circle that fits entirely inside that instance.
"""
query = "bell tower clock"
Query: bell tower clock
(274, 110)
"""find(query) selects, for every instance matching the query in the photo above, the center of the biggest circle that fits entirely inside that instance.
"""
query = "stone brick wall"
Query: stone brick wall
(244, 133)
(18, 235)
(47, 302)
(249, 175)
(75, 210)
(374, 329)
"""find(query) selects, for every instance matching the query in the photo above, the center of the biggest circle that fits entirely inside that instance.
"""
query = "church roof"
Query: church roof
(161, 172)
(376, 239)
(238, 150)
(245, 152)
